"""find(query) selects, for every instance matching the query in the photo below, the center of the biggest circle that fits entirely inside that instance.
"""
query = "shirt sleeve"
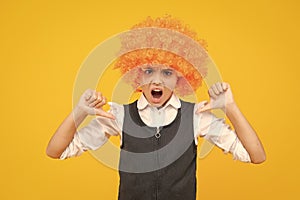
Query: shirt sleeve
(216, 131)
(96, 133)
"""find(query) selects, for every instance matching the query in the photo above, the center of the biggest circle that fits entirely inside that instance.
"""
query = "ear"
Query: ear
(139, 89)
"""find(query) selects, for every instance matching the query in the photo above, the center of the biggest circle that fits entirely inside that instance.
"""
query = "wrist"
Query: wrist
(231, 107)
(79, 114)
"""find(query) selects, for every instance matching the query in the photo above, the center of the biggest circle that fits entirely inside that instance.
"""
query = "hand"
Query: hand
(91, 103)
(220, 97)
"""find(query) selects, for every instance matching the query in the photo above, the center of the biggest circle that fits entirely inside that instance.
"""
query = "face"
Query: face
(158, 83)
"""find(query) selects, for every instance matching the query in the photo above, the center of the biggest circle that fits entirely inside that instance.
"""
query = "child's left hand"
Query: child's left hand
(220, 97)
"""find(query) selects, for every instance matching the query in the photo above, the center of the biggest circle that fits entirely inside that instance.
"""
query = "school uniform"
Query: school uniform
(158, 146)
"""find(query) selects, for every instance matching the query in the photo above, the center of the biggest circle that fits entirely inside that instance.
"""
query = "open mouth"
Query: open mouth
(156, 93)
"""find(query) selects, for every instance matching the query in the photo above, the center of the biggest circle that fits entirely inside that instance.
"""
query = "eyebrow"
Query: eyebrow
(146, 67)
(154, 68)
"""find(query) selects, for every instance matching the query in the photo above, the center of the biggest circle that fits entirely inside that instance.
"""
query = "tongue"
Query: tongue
(156, 94)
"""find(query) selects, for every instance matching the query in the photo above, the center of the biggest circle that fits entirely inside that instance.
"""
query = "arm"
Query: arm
(246, 134)
(90, 103)
(221, 97)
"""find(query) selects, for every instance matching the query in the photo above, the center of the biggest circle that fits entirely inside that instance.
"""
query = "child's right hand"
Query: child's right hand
(91, 103)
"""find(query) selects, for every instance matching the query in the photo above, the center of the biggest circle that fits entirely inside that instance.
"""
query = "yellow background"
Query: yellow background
(43, 43)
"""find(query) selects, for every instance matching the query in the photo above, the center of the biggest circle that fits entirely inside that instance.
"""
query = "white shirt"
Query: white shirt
(207, 125)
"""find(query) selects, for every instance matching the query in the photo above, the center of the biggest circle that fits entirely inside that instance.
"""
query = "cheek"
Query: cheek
(171, 83)
(146, 90)
(144, 79)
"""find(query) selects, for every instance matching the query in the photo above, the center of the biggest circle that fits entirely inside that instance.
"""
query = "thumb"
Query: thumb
(205, 107)
(103, 113)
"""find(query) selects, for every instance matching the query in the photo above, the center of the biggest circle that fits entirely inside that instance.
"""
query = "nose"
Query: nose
(157, 78)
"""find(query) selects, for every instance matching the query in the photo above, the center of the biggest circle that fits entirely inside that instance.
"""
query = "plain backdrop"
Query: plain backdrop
(255, 45)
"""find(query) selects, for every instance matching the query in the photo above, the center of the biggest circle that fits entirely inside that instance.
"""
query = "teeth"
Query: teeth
(156, 90)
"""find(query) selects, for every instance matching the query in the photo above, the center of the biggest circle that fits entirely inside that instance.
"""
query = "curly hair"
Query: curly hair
(167, 41)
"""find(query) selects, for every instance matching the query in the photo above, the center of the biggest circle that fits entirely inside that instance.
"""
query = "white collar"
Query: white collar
(174, 101)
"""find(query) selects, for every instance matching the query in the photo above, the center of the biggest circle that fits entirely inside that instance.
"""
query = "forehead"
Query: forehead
(156, 67)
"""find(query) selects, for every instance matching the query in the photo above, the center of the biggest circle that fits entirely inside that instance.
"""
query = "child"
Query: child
(158, 133)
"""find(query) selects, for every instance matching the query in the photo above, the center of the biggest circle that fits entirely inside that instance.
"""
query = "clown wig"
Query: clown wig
(164, 41)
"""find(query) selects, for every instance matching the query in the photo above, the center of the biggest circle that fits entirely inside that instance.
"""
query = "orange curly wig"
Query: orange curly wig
(190, 63)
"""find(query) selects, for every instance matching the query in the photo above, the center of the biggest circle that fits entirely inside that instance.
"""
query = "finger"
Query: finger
(92, 98)
(206, 107)
(219, 87)
(88, 94)
(95, 99)
(212, 93)
(103, 113)
(101, 103)
(225, 86)
(100, 96)
(215, 89)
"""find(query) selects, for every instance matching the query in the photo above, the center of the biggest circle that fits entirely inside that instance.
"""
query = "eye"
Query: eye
(148, 71)
(167, 72)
